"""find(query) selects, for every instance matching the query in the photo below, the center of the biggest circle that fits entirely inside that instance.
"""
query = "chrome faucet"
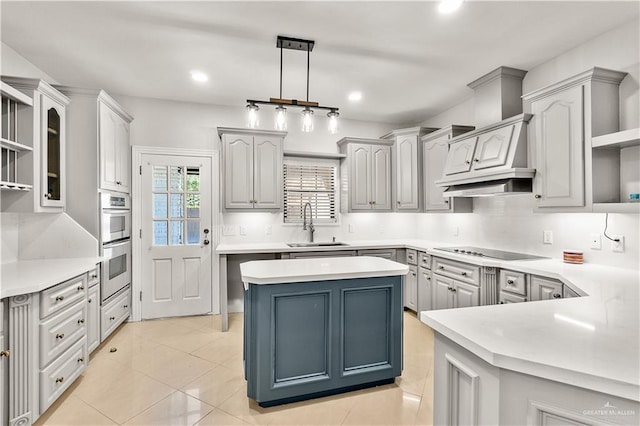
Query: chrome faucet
(312, 229)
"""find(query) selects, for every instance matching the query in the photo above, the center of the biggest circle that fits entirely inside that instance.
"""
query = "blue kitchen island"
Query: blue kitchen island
(315, 327)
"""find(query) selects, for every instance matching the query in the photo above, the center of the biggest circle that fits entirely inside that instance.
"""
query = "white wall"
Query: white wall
(14, 64)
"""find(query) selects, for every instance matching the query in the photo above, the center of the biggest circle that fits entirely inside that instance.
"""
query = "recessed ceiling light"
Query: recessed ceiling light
(449, 6)
(199, 76)
(355, 96)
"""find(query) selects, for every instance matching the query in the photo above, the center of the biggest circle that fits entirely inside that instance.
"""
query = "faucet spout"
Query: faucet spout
(304, 221)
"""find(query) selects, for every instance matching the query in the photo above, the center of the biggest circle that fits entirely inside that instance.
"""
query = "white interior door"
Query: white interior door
(176, 243)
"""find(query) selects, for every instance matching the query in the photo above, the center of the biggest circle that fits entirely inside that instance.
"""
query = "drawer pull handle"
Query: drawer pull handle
(112, 318)
(510, 282)
(81, 359)
(80, 287)
(441, 267)
(60, 380)
(126, 306)
(89, 300)
(5, 353)
(429, 278)
(60, 336)
(59, 298)
(94, 276)
(557, 295)
(464, 274)
(80, 321)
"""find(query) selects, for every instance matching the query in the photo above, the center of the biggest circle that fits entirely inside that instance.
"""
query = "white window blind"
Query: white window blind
(309, 183)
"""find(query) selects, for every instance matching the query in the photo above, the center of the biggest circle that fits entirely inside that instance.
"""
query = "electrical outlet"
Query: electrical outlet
(229, 230)
(617, 246)
(267, 230)
(243, 230)
(595, 241)
(547, 237)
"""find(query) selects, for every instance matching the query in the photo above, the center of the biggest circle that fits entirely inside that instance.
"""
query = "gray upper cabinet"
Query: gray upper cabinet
(492, 148)
(460, 156)
(407, 169)
(366, 174)
(252, 168)
(566, 116)
(434, 153)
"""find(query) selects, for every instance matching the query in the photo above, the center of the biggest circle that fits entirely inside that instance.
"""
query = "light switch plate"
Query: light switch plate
(352, 229)
(547, 237)
(595, 242)
(229, 230)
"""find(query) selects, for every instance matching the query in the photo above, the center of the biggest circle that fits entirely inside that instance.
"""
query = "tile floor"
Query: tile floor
(184, 371)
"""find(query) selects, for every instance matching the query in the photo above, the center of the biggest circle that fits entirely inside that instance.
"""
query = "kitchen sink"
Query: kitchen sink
(326, 244)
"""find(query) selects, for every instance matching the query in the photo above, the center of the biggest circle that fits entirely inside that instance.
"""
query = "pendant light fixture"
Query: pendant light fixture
(280, 122)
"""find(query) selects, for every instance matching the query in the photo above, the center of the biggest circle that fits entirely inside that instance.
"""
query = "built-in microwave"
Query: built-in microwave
(115, 220)
(116, 267)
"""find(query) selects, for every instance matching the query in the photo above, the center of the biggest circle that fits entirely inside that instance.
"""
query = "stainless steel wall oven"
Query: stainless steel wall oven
(115, 233)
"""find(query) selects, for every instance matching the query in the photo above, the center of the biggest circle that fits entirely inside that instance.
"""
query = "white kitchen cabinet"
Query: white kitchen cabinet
(45, 126)
(506, 297)
(252, 168)
(114, 312)
(16, 149)
(407, 169)
(566, 116)
(455, 284)
(435, 147)
(545, 288)
(425, 289)
(316, 254)
(115, 148)
(4, 355)
(93, 310)
(460, 156)
(411, 289)
(366, 174)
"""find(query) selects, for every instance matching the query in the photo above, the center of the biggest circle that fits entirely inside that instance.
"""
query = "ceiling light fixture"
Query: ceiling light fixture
(281, 103)
(199, 76)
(449, 6)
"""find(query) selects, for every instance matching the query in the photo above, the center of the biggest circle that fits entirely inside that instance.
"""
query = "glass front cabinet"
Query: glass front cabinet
(44, 124)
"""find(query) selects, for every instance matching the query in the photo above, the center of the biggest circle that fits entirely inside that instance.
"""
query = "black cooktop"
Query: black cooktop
(495, 254)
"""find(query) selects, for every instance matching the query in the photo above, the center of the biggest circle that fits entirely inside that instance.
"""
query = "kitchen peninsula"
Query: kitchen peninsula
(315, 327)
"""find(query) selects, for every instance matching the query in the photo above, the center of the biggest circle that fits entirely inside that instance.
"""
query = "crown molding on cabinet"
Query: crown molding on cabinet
(594, 74)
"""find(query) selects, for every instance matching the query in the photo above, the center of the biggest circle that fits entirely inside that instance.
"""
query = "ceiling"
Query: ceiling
(409, 61)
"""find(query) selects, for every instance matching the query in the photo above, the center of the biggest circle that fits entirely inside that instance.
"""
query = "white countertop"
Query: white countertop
(31, 276)
(279, 247)
(318, 269)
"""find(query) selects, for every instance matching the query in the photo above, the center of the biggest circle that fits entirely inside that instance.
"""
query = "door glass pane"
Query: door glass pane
(177, 232)
(53, 154)
(177, 178)
(159, 232)
(193, 179)
(159, 178)
(177, 205)
(160, 205)
(193, 205)
(193, 232)
(117, 266)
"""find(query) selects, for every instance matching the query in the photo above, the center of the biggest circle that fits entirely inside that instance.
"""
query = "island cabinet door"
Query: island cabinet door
(301, 339)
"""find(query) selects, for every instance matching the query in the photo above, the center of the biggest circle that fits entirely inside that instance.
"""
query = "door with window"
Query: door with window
(176, 235)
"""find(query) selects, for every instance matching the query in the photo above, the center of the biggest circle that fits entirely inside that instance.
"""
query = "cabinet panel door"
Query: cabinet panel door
(425, 291)
(559, 149)
(460, 156)
(466, 295)
(442, 295)
(359, 191)
(434, 157)
(108, 124)
(238, 171)
(381, 177)
(93, 317)
(123, 152)
(267, 184)
(492, 148)
(406, 161)
(545, 289)
(411, 289)
(53, 153)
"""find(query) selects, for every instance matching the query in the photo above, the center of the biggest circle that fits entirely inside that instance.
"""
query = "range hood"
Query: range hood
(492, 160)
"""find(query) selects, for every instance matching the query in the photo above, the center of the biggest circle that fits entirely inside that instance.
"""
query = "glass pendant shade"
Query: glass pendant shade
(281, 118)
(333, 122)
(252, 116)
(307, 120)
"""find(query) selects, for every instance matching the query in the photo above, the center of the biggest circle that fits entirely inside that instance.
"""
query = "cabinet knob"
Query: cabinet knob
(118, 182)
(453, 290)
(80, 287)
(398, 202)
(501, 302)
(510, 282)
(60, 336)
(125, 306)
(60, 380)
(446, 201)
(47, 195)
(81, 359)
(373, 202)
(5, 353)
(467, 162)
(557, 295)
(94, 275)
(441, 267)
(112, 318)
(59, 298)
(89, 300)
(537, 196)
(80, 321)
(476, 160)
(429, 278)
(464, 274)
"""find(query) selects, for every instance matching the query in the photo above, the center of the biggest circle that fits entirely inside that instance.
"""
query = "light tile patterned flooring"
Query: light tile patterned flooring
(184, 371)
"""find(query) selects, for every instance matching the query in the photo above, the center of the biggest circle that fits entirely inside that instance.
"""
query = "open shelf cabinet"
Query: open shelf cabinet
(13, 149)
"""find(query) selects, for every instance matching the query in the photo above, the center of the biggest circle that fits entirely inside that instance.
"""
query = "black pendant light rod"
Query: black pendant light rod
(308, 59)
(281, 74)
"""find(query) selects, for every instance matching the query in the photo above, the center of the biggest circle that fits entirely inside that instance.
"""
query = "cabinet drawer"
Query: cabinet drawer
(384, 253)
(412, 257)
(114, 313)
(510, 298)
(66, 294)
(93, 276)
(458, 270)
(545, 288)
(424, 260)
(57, 377)
(514, 282)
(59, 332)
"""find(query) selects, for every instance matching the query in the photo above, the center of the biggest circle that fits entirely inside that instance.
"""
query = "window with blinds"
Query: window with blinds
(315, 184)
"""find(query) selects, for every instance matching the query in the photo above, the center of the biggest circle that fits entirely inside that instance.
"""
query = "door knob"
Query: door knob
(206, 240)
